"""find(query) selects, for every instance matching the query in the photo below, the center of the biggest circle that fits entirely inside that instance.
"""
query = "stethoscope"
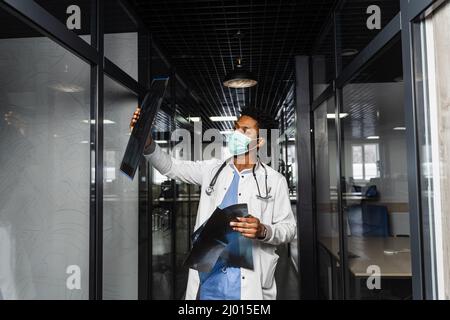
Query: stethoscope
(210, 188)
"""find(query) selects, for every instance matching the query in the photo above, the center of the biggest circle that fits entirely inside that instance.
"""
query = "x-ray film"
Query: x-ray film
(212, 240)
(149, 108)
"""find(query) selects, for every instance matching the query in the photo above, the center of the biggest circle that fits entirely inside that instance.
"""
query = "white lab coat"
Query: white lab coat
(276, 214)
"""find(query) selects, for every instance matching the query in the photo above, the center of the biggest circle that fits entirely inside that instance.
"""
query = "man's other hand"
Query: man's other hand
(135, 118)
(249, 227)
(133, 122)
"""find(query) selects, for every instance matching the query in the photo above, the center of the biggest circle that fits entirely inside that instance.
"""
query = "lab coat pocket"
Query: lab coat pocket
(268, 265)
(254, 208)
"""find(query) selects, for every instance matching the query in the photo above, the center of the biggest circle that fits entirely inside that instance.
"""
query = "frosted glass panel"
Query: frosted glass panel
(44, 169)
(120, 205)
(121, 48)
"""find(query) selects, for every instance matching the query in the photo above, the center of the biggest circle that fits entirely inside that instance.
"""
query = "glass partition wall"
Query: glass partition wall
(72, 226)
(45, 166)
(173, 203)
(120, 198)
(119, 238)
(361, 192)
(365, 211)
(374, 184)
(327, 217)
(378, 109)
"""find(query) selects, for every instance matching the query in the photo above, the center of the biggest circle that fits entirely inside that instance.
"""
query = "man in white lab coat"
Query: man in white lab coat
(243, 178)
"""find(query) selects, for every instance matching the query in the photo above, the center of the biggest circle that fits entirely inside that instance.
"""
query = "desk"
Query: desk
(370, 251)
(350, 196)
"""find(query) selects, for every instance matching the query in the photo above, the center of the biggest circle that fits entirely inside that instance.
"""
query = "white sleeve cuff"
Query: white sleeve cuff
(150, 149)
(268, 233)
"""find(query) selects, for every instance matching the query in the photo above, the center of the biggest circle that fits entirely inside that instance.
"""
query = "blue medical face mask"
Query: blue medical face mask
(238, 143)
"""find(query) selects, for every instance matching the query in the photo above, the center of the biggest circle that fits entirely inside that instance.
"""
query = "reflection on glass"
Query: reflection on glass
(75, 15)
(182, 237)
(44, 167)
(323, 62)
(326, 200)
(120, 39)
(163, 206)
(358, 22)
(375, 195)
(120, 198)
(291, 166)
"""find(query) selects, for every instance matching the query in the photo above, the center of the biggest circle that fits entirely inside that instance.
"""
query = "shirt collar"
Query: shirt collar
(246, 171)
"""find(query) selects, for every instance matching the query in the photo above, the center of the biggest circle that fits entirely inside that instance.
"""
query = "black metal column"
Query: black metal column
(96, 190)
(412, 156)
(306, 221)
(144, 232)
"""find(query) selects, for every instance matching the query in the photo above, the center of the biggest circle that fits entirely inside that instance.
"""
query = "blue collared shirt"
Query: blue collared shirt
(223, 282)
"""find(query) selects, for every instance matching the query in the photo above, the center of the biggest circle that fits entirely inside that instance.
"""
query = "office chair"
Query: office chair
(368, 220)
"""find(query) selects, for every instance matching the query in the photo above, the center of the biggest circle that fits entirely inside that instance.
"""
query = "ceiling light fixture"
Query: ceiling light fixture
(240, 77)
(373, 138)
(400, 129)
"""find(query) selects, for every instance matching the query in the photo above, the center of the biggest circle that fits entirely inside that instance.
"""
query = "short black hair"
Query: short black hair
(264, 119)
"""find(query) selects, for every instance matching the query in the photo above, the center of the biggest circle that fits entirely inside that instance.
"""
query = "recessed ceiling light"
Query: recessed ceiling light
(227, 132)
(224, 118)
(194, 119)
(106, 121)
(400, 129)
(373, 138)
(333, 116)
(161, 141)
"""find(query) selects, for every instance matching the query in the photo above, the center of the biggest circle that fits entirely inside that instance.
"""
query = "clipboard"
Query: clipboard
(149, 108)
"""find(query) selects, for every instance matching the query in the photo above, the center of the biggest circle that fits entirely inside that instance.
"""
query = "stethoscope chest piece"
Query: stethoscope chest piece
(209, 190)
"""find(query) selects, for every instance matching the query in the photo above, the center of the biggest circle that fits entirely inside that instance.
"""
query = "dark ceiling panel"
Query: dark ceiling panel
(199, 36)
